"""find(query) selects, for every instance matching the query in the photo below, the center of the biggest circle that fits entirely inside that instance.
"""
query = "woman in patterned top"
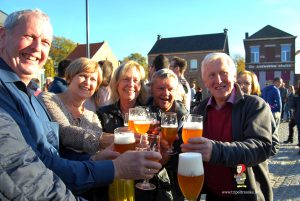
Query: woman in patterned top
(79, 129)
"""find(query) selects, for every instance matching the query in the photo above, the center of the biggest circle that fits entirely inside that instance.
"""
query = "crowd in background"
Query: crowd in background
(67, 125)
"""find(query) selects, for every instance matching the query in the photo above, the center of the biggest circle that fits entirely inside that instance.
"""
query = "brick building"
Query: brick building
(270, 53)
(191, 48)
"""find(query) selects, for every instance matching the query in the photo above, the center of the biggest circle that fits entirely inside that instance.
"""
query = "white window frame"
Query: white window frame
(254, 52)
(285, 52)
(193, 64)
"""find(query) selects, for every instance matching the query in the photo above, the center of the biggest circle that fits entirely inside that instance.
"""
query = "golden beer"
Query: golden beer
(124, 142)
(190, 174)
(141, 127)
(131, 125)
(169, 133)
(191, 130)
(190, 186)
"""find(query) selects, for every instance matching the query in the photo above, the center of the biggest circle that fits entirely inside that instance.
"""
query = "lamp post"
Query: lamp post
(87, 28)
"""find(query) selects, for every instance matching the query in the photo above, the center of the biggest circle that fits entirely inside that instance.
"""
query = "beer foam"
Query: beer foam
(124, 138)
(142, 122)
(190, 164)
(193, 125)
(169, 126)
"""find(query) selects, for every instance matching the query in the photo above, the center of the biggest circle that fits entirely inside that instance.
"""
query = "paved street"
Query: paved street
(285, 168)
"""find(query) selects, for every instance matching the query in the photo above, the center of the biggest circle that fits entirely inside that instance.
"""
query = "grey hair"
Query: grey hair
(162, 74)
(211, 57)
(14, 18)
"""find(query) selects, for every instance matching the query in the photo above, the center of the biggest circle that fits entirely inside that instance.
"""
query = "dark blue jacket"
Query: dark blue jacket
(271, 95)
(58, 85)
(42, 135)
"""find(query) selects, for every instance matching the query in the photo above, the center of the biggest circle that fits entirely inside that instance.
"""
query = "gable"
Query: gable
(269, 32)
(80, 50)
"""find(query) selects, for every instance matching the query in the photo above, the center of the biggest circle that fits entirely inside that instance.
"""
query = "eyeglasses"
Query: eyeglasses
(245, 83)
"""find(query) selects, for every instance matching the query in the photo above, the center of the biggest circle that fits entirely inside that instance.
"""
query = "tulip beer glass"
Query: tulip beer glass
(169, 128)
(192, 127)
(190, 175)
(152, 145)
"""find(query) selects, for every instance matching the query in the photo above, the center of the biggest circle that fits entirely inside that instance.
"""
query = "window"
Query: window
(254, 54)
(285, 52)
(193, 64)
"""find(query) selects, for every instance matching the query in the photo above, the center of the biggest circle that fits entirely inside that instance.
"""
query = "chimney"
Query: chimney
(158, 37)
(225, 31)
(246, 35)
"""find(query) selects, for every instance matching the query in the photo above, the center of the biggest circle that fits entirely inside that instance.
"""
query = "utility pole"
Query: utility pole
(87, 28)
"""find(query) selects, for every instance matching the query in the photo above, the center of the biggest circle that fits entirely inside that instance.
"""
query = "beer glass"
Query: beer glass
(124, 139)
(169, 129)
(122, 189)
(192, 127)
(190, 175)
(126, 119)
(152, 145)
(154, 124)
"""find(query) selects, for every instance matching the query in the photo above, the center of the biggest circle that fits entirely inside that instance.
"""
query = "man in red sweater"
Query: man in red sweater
(237, 133)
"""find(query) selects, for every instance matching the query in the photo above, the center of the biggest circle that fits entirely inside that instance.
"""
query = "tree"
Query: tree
(60, 49)
(139, 59)
(239, 62)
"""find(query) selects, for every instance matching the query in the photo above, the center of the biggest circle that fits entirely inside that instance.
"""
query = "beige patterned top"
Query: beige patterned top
(80, 134)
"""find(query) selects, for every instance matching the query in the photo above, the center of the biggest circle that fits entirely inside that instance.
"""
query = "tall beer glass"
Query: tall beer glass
(122, 189)
(192, 127)
(169, 129)
(190, 175)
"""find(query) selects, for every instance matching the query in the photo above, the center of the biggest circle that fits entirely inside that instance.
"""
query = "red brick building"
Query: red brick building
(270, 53)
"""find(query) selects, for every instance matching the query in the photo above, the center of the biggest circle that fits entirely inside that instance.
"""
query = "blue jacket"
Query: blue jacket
(271, 95)
(42, 135)
(22, 175)
(58, 85)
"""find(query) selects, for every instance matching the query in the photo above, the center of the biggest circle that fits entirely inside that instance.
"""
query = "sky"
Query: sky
(131, 26)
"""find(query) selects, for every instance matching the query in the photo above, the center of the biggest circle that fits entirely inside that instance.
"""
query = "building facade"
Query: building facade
(191, 48)
(270, 53)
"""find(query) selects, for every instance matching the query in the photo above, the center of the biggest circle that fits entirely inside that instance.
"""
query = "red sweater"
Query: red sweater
(218, 127)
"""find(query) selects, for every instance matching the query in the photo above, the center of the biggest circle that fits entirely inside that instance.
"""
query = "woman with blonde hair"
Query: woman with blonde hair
(127, 91)
(79, 128)
(249, 83)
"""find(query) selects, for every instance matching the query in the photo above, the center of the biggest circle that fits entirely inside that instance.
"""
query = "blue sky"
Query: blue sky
(132, 26)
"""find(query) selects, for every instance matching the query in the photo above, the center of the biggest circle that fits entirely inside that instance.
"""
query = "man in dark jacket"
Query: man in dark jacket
(22, 175)
(237, 136)
(59, 83)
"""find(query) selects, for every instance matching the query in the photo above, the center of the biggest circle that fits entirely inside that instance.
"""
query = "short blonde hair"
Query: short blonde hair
(255, 89)
(85, 65)
(119, 72)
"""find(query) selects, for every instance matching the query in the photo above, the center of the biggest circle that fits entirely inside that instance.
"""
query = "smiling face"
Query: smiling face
(25, 48)
(129, 85)
(245, 81)
(164, 91)
(83, 84)
(219, 79)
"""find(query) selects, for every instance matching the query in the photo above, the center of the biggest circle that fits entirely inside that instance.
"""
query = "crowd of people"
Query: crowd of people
(57, 142)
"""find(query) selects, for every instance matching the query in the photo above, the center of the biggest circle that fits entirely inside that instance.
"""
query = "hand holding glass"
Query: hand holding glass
(153, 145)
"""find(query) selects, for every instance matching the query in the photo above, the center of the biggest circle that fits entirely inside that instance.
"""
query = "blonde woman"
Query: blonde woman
(79, 128)
(249, 83)
(127, 91)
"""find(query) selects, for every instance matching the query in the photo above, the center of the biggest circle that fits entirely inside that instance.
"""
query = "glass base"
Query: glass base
(145, 186)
